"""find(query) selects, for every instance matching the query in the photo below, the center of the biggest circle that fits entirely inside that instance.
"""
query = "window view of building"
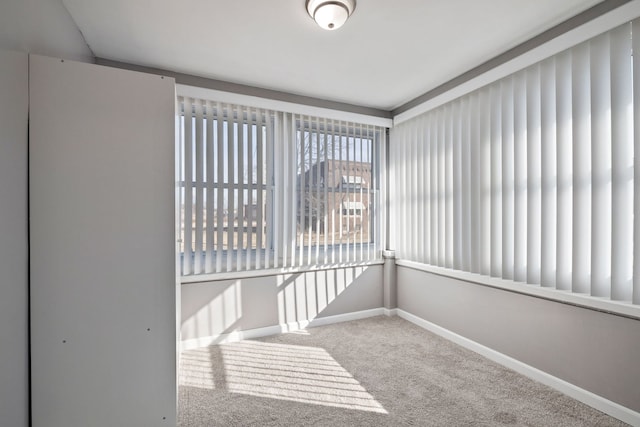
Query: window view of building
(343, 209)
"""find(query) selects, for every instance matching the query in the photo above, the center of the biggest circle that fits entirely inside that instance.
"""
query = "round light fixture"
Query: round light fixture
(330, 14)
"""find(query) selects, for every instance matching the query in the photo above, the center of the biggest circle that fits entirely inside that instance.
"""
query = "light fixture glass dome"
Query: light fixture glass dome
(330, 15)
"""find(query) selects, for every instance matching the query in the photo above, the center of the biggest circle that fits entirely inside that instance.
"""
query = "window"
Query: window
(353, 182)
(266, 189)
(353, 208)
(224, 186)
(531, 179)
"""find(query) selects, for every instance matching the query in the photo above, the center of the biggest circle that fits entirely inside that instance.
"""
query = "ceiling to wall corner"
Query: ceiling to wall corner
(388, 53)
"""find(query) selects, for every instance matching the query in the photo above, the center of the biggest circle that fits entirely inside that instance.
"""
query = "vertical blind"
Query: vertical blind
(531, 178)
(264, 189)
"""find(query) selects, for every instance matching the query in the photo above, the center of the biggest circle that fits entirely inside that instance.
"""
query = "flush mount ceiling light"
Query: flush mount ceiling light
(330, 14)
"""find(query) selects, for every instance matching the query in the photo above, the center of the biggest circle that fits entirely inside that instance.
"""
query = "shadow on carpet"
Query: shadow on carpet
(379, 371)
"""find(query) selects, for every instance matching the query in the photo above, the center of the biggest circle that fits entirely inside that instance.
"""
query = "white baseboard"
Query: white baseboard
(320, 321)
(598, 402)
(390, 312)
(235, 336)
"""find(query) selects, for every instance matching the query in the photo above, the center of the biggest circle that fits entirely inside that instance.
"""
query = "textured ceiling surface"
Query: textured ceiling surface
(387, 53)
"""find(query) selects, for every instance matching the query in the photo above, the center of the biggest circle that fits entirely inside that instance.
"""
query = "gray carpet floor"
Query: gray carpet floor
(379, 371)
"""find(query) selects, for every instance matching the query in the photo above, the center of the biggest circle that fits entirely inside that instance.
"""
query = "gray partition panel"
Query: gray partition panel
(102, 246)
(14, 341)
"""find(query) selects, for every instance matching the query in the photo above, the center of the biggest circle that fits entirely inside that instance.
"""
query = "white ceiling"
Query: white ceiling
(389, 52)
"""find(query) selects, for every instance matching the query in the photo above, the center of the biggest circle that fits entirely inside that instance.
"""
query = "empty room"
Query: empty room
(319, 213)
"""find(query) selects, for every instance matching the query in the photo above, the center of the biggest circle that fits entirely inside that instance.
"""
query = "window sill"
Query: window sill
(619, 308)
(231, 275)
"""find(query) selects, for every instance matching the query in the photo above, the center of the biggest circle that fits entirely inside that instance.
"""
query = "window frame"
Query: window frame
(269, 250)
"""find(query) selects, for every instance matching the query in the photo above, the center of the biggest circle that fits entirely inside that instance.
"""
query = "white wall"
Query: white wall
(590, 349)
(43, 27)
(103, 281)
(211, 309)
(14, 351)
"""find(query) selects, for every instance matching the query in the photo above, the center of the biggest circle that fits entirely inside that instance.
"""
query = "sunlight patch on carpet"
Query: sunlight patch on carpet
(277, 371)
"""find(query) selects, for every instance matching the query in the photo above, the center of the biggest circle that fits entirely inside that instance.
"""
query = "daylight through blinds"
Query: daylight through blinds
(531, 178)
(264, 189)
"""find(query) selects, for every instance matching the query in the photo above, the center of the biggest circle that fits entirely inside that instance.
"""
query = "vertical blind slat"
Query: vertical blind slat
(188, 188)
(249, 211)
(309, 211)
(280, 163)
(508, 180)
(581, 107)
(276, 164)
(485, 182)
(427, 190)
(448, 186)
(277, 185)
(404, 153)
(534, 178)
(361, 206)
(340, 180)
(496, 195)
(636, 163)
(231, 168)
(379, 153)
(403, 202)
(268, 211)
(600, 166)
(564, 170)
(349, 149)
(293, 170)
(414, 187)
(548, 173)
(241, 224)
(423, 191)
(433, 202)
(313, 135)
(318, 194)
(392, 224)
(457, 188)
(325, 174)
(412, 171)
(181, 176)
(440, 162)
(220, 180)
(333, 181)
(288, 256)
(520, 177)
(409, 207)
(302, 209)
(209, 180)
(283, 189)
(622, 165)
(261, 255)
(476, 185)
(466, 187)
(373, 195)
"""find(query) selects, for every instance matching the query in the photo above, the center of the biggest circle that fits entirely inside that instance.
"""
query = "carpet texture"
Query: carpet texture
(379, 371)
